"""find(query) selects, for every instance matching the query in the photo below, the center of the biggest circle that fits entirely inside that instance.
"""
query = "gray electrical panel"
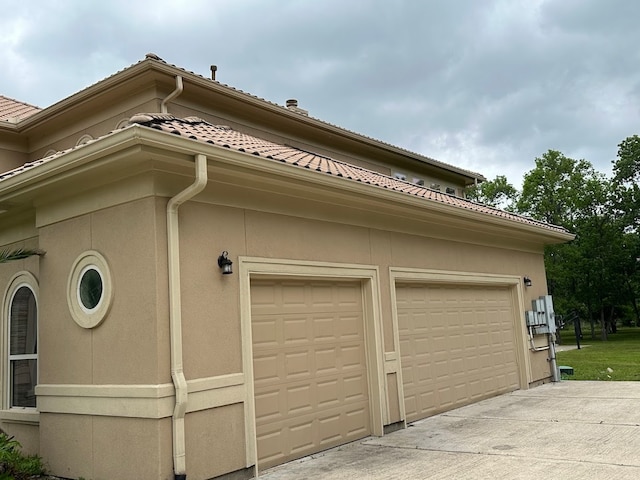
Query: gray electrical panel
(541, 318)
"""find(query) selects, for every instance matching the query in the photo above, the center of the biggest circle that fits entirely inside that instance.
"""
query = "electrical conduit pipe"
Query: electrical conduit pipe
(175, 315)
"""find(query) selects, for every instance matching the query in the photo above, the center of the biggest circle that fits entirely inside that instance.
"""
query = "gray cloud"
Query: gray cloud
(484, 85)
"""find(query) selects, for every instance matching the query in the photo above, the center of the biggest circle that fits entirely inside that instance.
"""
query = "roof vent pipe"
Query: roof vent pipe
(214, 69)
(172, 95)
(292, 106)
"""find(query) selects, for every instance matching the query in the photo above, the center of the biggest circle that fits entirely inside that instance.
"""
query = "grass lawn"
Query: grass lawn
(616, 359)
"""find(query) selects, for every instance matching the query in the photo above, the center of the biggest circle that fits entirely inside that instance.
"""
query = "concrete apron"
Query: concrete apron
(568, 430)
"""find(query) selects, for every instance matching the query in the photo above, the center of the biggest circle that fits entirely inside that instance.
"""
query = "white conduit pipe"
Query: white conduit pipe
(533, 346)
(552, 357)
(175, 315)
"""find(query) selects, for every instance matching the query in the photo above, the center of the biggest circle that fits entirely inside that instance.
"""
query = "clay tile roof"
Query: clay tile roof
(202, 131)
(13, 109)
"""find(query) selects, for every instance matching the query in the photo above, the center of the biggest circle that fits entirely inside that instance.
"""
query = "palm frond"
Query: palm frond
(19, 254)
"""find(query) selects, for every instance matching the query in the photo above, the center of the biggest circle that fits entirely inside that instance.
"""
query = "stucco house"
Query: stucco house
(230, 283)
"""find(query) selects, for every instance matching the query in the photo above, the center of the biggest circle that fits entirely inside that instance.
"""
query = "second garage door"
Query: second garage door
(457, 346)
(309, 365)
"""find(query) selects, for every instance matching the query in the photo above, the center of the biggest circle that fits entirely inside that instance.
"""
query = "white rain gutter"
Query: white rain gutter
(172, 95)
(175, 315)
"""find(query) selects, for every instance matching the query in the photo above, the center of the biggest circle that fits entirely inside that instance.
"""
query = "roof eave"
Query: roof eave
(182, 148)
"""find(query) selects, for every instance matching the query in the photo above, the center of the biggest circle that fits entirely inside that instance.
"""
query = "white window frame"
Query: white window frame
(83, 316)
(9, 412)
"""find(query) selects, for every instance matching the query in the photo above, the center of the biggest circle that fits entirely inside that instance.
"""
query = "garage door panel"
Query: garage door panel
(266, 368)
(297, 365)
(294, 329)
(456, 345)
(266, 332)
(309, 433)
(268, 405)
(310, 376)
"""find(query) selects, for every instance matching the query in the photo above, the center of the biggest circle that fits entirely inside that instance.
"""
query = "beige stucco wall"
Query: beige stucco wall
(96, 121)
(215, 441)
(208, 228)
(99, 447)
(131, 346)
(124, 349)
(211, 301)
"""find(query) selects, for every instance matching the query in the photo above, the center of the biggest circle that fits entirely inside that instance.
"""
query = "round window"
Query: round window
(89, 290)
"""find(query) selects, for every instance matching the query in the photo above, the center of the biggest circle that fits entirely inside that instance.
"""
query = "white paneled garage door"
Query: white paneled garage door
(457, 346)
(309, 367)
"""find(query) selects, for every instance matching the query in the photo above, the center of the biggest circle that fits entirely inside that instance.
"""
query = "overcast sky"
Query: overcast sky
(487, 85)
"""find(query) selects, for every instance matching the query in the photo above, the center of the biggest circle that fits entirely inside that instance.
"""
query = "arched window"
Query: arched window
(22, 342)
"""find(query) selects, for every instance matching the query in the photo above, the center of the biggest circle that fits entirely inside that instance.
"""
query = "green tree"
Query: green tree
(582, 274)
(498, 193)
(626, 180)
(552, 191)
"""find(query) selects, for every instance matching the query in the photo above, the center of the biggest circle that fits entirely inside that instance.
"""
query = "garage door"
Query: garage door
(457, 346)
(309, 367)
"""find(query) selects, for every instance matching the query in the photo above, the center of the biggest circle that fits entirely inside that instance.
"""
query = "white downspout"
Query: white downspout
(172, 95)
(175, 315)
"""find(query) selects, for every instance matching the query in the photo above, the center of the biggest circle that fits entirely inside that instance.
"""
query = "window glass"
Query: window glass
(23, 339)
(90, 288)
(23, 383)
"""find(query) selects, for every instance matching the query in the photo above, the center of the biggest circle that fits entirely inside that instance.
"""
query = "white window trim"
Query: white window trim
(27, 415)
(84, 317)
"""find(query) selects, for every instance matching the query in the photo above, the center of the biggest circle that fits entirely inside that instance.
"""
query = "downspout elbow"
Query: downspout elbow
(172, 95)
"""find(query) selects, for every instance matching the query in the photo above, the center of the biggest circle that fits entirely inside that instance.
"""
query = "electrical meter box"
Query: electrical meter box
(542, 318)
(550, 314)
(534, 319)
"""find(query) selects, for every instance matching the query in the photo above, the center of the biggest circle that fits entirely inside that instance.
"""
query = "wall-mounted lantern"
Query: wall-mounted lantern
(225, 264)
(527, 281)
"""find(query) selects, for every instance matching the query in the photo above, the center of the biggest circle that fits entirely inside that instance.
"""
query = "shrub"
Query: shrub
(13, 464)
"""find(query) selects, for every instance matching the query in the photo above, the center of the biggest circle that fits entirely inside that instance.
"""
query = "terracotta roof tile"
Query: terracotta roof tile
(200, 130)
(14, 109)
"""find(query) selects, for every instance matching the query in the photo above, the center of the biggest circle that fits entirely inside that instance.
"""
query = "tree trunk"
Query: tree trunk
(603, 324)
(592, 322)
(634, 301)
(613, 328)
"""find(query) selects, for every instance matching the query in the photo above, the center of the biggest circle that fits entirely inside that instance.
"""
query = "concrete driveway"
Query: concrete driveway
(568, 430)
